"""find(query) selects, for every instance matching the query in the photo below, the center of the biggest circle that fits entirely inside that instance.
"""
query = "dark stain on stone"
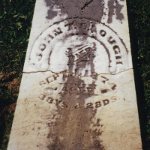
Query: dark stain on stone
(119, 15)
(56, 145)
(84, 9)
(97, 123)
(71, 60)
(74, 128)
(114, 10)
(74, 8)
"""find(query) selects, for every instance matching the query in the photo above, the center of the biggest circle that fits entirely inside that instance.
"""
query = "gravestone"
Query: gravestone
(77, 90)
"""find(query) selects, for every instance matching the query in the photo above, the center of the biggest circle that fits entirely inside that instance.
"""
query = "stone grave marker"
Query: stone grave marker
(77, 90)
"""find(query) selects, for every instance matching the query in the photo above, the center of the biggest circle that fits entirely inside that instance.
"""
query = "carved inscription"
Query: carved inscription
(82, 44)
(79, 102)
(101, 103)
(77, 88)
(77, 52)
(74, 96)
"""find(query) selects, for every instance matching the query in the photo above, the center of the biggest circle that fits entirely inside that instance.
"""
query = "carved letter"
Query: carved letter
(105, 102)
(50, 100)
(42, 47)
(111, 40)
(58, 31)
(98, 104)
(116, 49)
(102, 33)
(42, 83)
(89, 105)
(42, 96)
(40, 56)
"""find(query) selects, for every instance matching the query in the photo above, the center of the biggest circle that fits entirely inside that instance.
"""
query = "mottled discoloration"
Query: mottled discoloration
(74, 8)
(73, 128)
(75, 123)
(92, 9)
(77, 91)
(114, 8)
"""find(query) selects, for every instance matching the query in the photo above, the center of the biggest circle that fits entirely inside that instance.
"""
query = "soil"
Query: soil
(9, 89)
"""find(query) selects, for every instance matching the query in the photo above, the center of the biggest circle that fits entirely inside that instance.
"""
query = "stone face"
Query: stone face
(77, 90)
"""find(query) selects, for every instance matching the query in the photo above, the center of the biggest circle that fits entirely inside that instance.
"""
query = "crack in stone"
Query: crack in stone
(96, 74)
(86, 4)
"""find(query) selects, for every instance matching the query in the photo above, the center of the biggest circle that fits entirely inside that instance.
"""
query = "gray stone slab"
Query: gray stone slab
(77, 90)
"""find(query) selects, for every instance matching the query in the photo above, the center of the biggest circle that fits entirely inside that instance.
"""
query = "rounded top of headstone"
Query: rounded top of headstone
(78, 46)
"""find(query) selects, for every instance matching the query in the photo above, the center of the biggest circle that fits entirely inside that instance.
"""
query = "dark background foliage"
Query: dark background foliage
(15, 25)
(139, 23)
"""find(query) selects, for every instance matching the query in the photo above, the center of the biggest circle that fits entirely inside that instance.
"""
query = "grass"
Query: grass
(15, 25)
(140, 22)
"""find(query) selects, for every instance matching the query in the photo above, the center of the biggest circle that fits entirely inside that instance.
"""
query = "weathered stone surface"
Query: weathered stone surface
(77, 90)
